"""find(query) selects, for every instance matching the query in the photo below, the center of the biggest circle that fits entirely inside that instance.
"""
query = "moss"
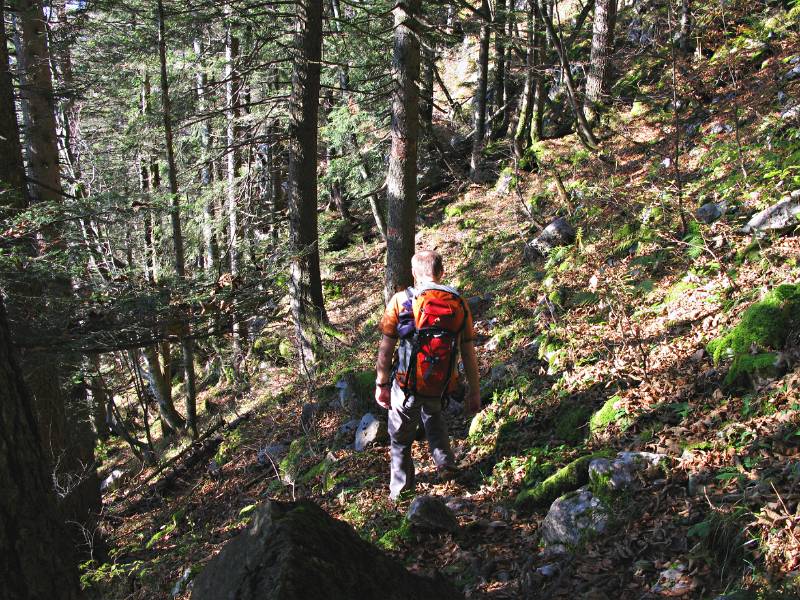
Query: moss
(608, 415)
(764, 326)
(394, 538)
(571, 422)
(290, 464)
(566, 479)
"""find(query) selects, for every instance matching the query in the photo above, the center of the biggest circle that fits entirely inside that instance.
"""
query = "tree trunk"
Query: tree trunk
(175, 216)
(64, 417)
(402, 177)
(540, 94)
(43, 165)
(602, 49)
(161, 386)
(426, 88)
(686, 25)
(211, 246)
(499, 80)
(523, 134)
(36, 558)
(308, 308)
(13, 190)
(479, 101)
(234, 157)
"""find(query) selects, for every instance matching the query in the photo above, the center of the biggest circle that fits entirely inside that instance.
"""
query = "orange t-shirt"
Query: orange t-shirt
(391, 317)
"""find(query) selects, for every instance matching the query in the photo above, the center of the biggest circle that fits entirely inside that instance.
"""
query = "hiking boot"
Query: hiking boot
(447, 472)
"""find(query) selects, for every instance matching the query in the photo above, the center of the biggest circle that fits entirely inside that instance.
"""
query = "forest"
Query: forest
(207, 208)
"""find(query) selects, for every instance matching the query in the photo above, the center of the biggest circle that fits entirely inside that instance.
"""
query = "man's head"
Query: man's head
(426, 265)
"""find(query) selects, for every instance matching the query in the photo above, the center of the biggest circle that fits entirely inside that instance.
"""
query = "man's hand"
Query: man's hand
(472, 403)
(383, 396)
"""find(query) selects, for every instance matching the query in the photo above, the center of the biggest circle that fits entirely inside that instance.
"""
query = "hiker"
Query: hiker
(432, 323)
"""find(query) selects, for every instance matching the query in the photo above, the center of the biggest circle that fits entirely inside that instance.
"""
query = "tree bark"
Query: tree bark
(234, 158)
(13, 190)
(686, 25)
(37, 93)
(36, 558)
(64, 416)
(523, 134)
(211, 246)
(479, 101)
(308, 308)
(602, 49)
(499, 80)
(175, 216)
(402, 177)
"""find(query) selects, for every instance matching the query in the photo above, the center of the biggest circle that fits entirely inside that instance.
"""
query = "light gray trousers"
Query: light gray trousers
(404, 418)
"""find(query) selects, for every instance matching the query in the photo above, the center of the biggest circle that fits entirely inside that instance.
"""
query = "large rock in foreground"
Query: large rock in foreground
(296, 551)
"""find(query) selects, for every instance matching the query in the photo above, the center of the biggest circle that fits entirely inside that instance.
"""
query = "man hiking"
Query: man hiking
(433, 325)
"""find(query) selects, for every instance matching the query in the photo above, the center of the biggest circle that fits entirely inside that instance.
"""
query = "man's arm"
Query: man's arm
(473, 400)
(383, 371)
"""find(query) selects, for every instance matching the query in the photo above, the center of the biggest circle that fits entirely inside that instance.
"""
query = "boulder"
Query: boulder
(719, 128)
(623, 472)
(307, 414)
(573, 518)
(783, 215)
(557, 233)
(370, 430)
(791, 113)
(710, 212)
(113, 481)
(431, 513)
(296, 551)
(272, 454)
(792, 74)
(349, 428)
(347, 392)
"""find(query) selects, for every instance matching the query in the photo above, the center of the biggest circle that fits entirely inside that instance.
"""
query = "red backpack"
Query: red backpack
(429, 325)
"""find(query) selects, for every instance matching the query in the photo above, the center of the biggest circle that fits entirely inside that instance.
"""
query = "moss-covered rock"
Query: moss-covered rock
(764, 328)
(290, 464)
(609, 414)
(566, 479)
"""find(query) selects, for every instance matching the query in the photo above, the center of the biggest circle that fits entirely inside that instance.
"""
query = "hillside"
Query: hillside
(653, 331)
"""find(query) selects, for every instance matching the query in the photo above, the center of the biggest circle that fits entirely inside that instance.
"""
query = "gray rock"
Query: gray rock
(782, 97)
(347, 394)
(547, 571)
(270, 560)
(574, 517)
(349, 428)
(719, 128)
(558, 233)
(782, 215)
(666, 163)
(272, 454)
(307, 414)
(504, 182)
(370, 430)
(432, 514)
(791, 113)
(113, 481)
(711, 211)
(623, 472)
(180, 585)
(793, 74)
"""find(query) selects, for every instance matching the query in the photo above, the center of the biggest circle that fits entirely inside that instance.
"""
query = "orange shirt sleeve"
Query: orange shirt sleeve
(391, 316)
